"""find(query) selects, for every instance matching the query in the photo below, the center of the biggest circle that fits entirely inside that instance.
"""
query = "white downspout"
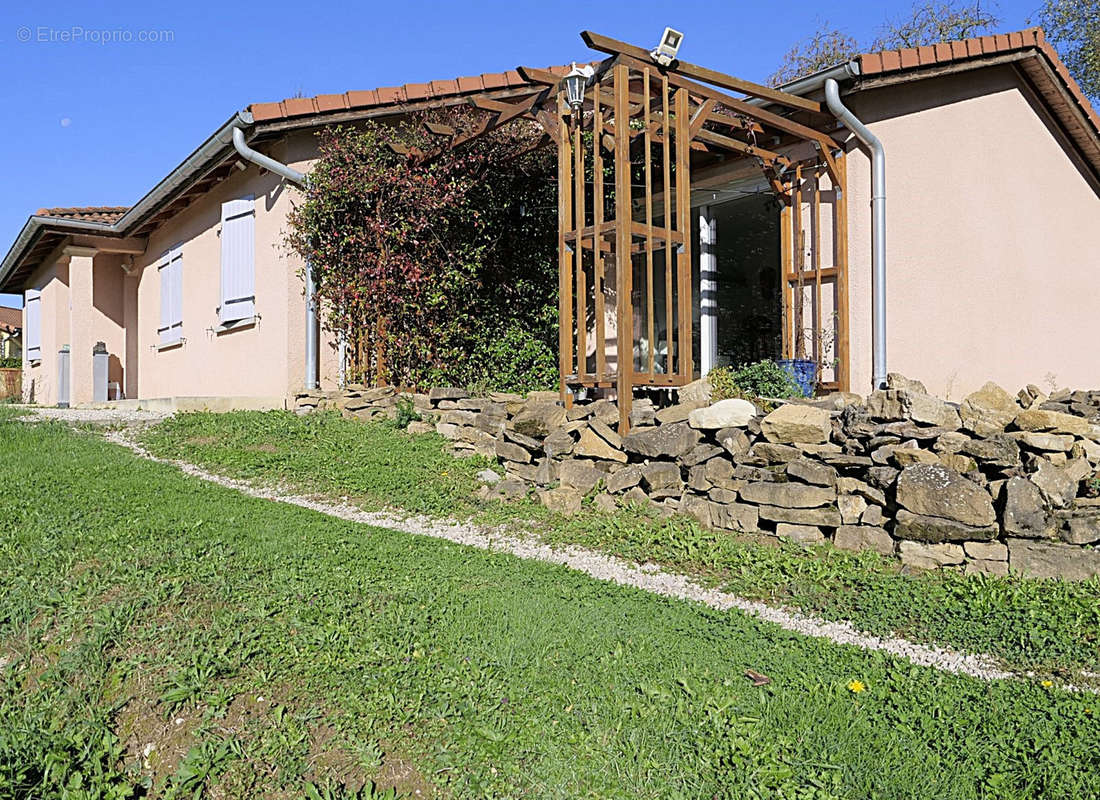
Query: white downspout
(878, 228)
(298, 179)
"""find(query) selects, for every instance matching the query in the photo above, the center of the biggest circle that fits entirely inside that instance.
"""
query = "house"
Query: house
(925, 211)
(11, 333)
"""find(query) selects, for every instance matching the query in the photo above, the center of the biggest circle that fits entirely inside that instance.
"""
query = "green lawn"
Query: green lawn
(261, 647)
(1049, 627)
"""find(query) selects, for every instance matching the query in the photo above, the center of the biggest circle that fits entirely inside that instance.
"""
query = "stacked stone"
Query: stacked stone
(995, 482)
(366, 403)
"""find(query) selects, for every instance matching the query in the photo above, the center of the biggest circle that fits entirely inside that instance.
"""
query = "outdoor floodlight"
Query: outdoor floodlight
(575, 82)
(666, 51)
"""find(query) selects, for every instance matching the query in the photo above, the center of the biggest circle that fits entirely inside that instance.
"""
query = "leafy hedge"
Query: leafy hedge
(11, 363)
(441, 269)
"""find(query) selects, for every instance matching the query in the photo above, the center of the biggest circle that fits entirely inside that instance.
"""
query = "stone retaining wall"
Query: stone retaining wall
(997, 482)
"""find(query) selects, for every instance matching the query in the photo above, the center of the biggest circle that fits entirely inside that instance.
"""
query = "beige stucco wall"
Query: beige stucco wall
(89, 297)
(991, 243)
(40, 378)
(266, 360)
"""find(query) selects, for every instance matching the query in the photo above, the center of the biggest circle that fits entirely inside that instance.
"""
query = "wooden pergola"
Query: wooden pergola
(642, 133)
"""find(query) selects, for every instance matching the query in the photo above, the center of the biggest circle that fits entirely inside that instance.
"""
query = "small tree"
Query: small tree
(932, 23)
(827, 47)
(927, 23)
(1073, 27)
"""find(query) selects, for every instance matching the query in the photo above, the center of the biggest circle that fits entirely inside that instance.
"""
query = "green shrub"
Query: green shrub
(750, 381)
(11, 363)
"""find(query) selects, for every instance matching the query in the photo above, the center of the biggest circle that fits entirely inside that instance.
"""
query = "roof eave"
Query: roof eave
(196, 163)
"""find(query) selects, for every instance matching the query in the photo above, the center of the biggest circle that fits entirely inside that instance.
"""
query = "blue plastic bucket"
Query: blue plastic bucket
(804, 372)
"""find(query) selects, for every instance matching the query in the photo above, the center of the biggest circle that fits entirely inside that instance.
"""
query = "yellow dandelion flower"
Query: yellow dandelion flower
(855, 687)
(1047, 684)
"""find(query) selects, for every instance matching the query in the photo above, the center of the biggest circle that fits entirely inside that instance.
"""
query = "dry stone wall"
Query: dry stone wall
(998, 482)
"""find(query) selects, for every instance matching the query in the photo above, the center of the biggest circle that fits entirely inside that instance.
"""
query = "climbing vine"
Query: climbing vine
(439, 268)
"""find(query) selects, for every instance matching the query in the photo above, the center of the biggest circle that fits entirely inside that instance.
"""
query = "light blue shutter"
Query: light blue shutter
(171, 296)
(238, 260)
(33, 334)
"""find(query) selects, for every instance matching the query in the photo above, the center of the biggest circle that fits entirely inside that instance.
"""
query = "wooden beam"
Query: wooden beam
(624, 330)
(840, 234)
(597, 221)
(648, 161)
(578, 249)
(549, 123)
(503, 116)
(738, 146)
(438, 129)
(699, 118)
(489, 104)
(683, 257)
(666, 165)
(542, 76)
(799, 305)
(606, 44)
(785, 216)
(565, 264)
(753, 112)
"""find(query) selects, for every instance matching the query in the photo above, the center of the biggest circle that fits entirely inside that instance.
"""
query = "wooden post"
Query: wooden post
(648, 144)
(597, 224)
(624, 335)
(578, 251)
(784, 279)
(798, 343)
(683, 213)
(565, 261)
(666, 139)
(840, 232)
(815, 244)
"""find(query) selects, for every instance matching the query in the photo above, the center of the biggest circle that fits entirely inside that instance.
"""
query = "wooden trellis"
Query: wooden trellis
(648, 127)
(815, 272)
(625, 164)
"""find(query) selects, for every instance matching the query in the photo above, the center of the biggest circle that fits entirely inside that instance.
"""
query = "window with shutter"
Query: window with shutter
(170, 270)
(238, 296)
(33, 334)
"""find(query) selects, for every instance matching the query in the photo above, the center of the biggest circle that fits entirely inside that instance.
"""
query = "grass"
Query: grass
(1046, 626)
(267, 651)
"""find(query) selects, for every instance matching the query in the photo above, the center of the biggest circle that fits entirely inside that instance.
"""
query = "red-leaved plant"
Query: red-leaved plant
(442, 264)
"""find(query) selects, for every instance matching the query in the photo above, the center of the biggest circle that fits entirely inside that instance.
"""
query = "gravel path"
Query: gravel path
(95, 416)
(609, 568)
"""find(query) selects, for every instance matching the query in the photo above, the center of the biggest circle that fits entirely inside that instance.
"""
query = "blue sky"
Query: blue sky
(93, 119)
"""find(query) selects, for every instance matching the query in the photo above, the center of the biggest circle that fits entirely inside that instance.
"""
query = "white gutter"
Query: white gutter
(878, 228)
(208, 155)
(260, 160)
(299, 179)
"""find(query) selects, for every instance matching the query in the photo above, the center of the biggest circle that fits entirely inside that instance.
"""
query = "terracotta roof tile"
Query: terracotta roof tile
(911, 58)
(85, 213)
(10, 318)
(418, 91)
(472, 84)
(389, 95)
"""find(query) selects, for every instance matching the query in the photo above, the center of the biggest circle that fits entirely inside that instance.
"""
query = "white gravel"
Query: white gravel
(647, 577)
(95, 416)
